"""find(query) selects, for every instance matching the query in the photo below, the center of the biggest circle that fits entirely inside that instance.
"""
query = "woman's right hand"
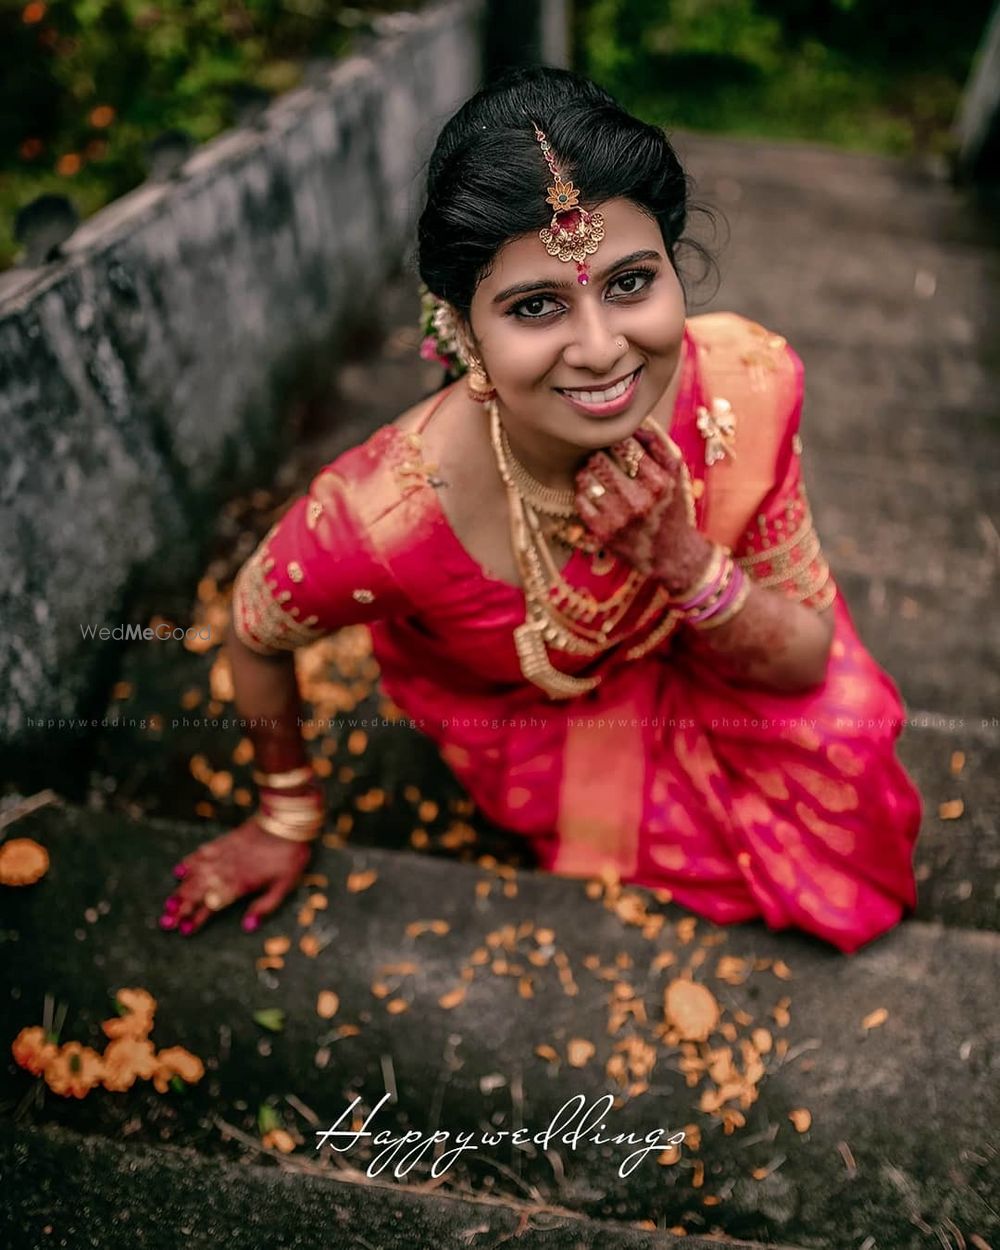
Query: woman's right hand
(644, 519)
(246, 860)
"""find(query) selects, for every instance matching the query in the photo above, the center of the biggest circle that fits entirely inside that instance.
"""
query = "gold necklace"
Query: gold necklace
(532, 537)
(553, 605)
(548, 499)
(552, 502)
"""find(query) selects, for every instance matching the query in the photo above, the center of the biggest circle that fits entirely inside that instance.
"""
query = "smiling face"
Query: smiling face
(554, 349)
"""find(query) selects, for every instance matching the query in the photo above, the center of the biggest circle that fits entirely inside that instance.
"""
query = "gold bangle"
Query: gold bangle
(294, 815)
(292, 802)
(281, 830)
(286, 780)
(711, 571)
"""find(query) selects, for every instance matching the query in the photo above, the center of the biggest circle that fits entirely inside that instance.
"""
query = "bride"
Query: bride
(588, 562)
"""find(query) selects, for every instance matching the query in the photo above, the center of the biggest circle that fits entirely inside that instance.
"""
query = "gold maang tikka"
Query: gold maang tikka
(573, 233)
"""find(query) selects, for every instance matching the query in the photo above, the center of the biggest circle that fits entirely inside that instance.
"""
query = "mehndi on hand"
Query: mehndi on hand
(644, 519)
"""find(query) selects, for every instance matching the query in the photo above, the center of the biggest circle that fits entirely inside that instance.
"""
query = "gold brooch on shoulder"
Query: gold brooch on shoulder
(718, 428)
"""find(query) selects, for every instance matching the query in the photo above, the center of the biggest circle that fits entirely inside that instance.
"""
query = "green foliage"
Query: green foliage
(267, 1119)
(270, 1018)
(858, 73)
(85, 85)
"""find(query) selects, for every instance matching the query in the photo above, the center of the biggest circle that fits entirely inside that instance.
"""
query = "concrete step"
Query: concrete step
(902, 1140)
(864, 378)
(146, 772)
(143, 765)
(930, 298)
(957, 860)
(844, 192)
(941, 657)
(900, 427)
(904, 267)
(917, 521)
(162, 1198)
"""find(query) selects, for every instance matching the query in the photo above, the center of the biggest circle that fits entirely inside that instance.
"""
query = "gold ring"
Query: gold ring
(632, 459)
(595, 490)
(214, 901)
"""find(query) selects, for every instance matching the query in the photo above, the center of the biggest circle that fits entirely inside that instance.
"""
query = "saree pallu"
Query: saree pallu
(742, 802)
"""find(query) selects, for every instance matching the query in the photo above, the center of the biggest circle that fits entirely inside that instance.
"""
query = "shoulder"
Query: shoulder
(729, 343)
(378, 498)
(752, 366)
(756, 376)
(373, 478)
(731, 332)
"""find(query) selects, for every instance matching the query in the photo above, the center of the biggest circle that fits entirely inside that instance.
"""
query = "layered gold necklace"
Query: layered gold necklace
(560, 615)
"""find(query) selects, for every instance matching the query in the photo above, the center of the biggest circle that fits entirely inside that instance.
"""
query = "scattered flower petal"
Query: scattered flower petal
(23, 861)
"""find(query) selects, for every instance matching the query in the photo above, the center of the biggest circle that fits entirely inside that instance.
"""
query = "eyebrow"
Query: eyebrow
(524, 288)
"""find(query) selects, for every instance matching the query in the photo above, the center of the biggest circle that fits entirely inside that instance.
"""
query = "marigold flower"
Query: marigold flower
(137, 1022)
(101, 116)
(74, 1071)
(278, 1139)
(69, 164)
(23, 861)
(33, 1050)
(126, 1059)
(176, 1061)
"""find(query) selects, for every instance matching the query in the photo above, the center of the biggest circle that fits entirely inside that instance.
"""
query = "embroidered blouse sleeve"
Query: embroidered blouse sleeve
(780, 548)
(314, 572)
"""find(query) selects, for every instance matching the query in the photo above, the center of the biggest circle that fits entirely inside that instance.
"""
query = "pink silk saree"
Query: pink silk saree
(742, 802)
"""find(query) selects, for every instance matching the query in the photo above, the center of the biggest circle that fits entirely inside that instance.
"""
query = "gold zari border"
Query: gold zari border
(796, 564)
(260, 622)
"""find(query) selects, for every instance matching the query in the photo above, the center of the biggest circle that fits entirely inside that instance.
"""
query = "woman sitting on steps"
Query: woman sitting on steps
(589, 568)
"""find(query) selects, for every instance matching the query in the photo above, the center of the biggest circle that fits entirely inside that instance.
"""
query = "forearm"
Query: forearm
(266, 690)
(773, 641)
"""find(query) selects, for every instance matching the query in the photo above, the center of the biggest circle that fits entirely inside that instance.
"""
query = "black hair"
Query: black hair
(487, 174)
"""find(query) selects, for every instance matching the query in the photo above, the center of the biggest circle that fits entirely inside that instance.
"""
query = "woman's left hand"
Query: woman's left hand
(643, 519)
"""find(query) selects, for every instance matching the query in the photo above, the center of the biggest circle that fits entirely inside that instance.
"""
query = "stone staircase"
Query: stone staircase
(885, 282)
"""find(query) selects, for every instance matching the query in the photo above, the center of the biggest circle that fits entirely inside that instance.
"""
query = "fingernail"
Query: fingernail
(167, 922)
(171, 904)
(249, 923)
(185, 927)
(180, 871)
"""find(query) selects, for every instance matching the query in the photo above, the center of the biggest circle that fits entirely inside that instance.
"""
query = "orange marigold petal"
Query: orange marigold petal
(23, 861)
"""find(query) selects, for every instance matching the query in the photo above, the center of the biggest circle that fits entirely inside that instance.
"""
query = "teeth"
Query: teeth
(604, 397)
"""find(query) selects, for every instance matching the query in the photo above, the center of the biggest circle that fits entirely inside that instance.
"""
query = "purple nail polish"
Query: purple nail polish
(167, 922)
(171, 905)
(249, 923)
(180, 871)
(185, 927)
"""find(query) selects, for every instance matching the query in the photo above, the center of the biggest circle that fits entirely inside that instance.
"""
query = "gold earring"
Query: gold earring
(478, 383)
(476, 380)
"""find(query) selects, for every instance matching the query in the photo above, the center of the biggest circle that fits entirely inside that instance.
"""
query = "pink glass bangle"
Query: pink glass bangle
(722, 591)
(712, 577)
(728, 604)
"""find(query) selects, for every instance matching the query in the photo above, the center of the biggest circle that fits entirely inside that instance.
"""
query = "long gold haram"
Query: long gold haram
(547, 592)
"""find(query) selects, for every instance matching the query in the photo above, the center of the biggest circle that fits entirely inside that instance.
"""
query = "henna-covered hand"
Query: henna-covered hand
(247, 860)
(644, 519)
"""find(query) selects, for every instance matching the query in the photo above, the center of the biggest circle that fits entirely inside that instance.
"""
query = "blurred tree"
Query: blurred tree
(855, 72)
(86, 85)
